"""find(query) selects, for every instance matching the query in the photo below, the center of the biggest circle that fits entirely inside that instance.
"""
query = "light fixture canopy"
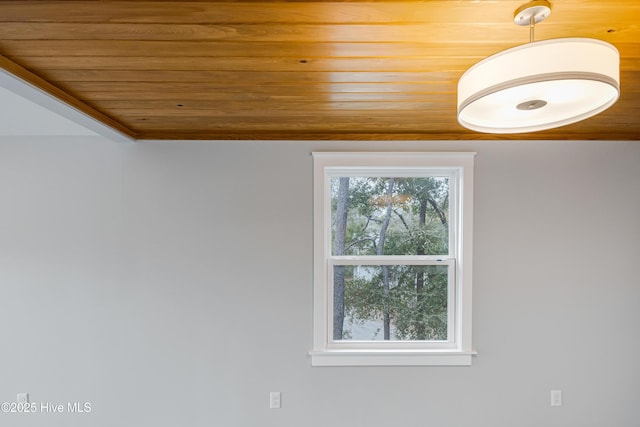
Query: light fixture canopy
(539, 85)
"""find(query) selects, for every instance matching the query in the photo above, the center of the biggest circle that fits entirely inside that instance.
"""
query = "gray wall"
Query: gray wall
(170, 284)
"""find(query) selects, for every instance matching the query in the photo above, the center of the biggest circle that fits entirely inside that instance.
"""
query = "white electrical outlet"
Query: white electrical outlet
(274, 400)
(22, 398)
(556, 397)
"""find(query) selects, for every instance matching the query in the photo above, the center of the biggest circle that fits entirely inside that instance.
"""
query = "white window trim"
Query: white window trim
(459, 351)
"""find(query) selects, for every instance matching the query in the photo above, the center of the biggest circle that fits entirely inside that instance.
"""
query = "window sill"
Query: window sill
(391, 358)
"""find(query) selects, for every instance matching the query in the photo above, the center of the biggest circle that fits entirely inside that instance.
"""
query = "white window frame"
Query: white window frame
(457, 350)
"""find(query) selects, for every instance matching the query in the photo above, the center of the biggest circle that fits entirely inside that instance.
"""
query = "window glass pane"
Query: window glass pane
(389, 216)
(390, 302)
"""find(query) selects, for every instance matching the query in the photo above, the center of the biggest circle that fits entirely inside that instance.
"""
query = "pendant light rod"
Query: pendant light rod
(532, 29)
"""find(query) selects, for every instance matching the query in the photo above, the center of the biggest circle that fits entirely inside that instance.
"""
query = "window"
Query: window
(392, 258)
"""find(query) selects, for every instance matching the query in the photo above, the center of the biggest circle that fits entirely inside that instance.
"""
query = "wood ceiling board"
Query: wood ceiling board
(299, 69)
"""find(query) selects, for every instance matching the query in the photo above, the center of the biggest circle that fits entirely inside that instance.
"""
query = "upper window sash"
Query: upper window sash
(453, 173)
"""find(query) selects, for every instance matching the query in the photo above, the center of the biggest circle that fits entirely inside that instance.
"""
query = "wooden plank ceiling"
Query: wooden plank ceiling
(380, 70)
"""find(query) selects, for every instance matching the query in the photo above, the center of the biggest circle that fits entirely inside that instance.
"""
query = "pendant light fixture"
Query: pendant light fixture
(539, 85)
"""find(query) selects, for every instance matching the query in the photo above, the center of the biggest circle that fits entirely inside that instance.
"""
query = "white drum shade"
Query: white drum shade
(540, 85)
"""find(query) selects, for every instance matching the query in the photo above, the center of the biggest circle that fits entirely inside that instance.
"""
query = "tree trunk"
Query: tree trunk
(421, 333)
(422, 278)
(441, 215)
(385, 268)
(339, 249)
